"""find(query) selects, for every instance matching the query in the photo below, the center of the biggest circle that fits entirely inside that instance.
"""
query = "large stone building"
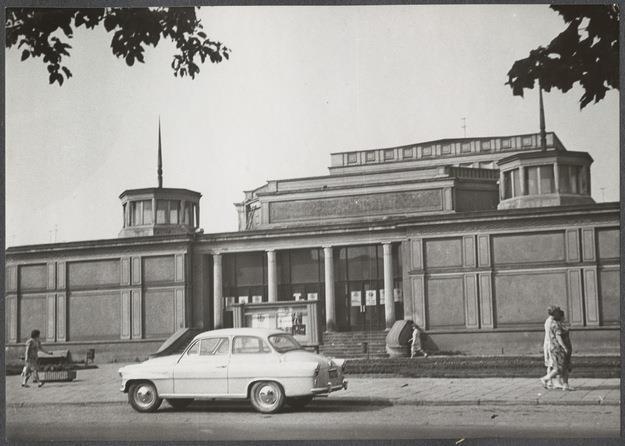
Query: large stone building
(472, 238)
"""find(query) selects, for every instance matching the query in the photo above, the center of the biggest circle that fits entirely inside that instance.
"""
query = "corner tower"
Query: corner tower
(159, 210)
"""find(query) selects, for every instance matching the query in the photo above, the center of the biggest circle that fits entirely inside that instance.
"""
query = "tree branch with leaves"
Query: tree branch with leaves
(43, 33)
(587, 51)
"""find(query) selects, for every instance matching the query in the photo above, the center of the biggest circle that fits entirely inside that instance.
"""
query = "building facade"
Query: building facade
(472, 238)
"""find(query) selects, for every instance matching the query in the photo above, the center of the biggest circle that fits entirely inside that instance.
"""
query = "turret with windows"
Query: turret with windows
(159, 210)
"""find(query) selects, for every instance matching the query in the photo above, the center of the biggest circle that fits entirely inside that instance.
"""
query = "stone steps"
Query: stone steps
(354, 344)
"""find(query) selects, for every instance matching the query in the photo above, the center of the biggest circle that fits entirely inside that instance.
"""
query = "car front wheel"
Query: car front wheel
(299, 402)
(179, 403)
(267, 396)
(143, 397)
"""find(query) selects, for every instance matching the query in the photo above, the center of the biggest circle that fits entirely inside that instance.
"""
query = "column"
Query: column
(329, 283)
(153, 210)
(522, 185)
(218, 300)
(272, 282)
(556, 178)
(389, 304)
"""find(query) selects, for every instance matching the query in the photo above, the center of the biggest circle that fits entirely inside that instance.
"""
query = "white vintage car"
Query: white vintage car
(267, 366)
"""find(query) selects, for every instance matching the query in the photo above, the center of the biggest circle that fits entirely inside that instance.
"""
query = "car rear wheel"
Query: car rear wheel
(267, 396)
(179, 403)
(299, 402)
(143, 397)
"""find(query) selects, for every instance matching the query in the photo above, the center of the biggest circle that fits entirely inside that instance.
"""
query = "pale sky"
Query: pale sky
(301, 83)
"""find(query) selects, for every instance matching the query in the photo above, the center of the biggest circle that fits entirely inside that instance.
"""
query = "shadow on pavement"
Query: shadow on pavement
(318, 406)
(614, 387)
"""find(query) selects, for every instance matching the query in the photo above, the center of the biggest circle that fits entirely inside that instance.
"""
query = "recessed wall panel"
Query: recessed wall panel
(33, 315)
(528, 248)
(93, 273)
(443, 253)
(158, 269)
(94, 316)
(159, 311)
(445, 302)
(523, 298)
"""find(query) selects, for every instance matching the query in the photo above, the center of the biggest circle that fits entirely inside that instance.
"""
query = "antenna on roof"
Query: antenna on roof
(160, 157)
(543, 134)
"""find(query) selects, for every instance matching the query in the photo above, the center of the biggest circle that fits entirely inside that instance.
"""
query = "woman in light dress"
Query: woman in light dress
(560, 348)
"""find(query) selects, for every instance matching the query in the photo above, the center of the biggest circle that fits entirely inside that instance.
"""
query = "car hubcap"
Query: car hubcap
(145, 395)
(267, 395)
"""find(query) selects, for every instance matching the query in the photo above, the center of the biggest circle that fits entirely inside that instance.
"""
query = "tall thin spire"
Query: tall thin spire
(543, 134)
(160, 156)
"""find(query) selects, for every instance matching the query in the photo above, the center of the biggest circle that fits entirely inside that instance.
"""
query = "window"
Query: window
(446, 150)
(407, 152)
(174, 206)
(516, 186)
(531, 180)
(249, 344)
(214, 346)
(352, 158)
(147, 212)
(427, 151)
(389, 154)
(511, 185)
(370, 156)
(564, 179)
(485, 146)
(574, 179)
(135, 213)
(506, 143)
(583, 183)
(161, 212)
(465, 147)
(186, 212)
(507, 184)
(527, 141)
(284, 343)
(194, 349)
(546, 179)
(140, 212)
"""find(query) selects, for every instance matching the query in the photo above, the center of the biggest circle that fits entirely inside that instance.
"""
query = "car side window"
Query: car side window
(224, 347)
(214, 346)
(194, 349)
(208, 346)
(249, 344)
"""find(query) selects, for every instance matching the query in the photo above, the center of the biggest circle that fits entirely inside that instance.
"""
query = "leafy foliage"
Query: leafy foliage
(587, 51)
(39, 33)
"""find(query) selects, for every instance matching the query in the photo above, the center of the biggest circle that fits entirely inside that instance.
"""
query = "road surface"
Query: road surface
(322, 419)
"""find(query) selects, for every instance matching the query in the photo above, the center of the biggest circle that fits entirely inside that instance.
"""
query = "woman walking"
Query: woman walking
(560, 349)
(548, 384)
(31, 359)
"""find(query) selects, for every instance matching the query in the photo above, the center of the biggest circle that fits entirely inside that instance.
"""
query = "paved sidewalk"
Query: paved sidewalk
(101, 386)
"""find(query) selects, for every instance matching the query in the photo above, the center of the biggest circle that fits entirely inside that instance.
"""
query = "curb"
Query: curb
(365, 401)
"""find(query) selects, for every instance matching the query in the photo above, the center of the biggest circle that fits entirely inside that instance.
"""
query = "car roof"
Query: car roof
(242, 331)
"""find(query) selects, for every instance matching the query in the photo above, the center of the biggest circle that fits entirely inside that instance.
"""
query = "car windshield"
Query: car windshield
(284, 343)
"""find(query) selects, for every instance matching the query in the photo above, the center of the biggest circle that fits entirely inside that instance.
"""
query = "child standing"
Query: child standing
(416, 342)
(31, 359)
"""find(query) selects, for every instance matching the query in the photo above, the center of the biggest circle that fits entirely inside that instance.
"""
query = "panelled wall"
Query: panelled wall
(99, 299)
(507, 280)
